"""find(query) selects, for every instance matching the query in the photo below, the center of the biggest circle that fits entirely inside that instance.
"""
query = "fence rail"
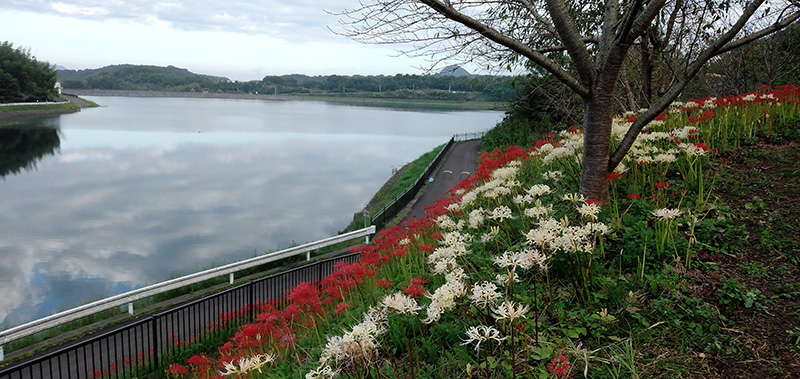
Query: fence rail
(57, 319)
(148, 345)
(391, 210)
(382, 217)
(468, 136)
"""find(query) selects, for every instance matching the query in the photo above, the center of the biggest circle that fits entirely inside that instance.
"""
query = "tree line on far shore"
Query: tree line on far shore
(462, 87)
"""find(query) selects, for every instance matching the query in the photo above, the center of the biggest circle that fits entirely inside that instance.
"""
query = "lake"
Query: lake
(140, 190)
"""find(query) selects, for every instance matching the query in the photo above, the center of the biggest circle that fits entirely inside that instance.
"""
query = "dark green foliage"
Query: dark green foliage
(513, 130)
(20, 149)
(734, 295)
(141, 78)
(543, 105)
(23, 78)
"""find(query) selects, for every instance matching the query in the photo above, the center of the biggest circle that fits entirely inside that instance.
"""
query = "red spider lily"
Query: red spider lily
(613, 176)
(592, 201)
(341, 307)
(306, 296)
(662, 185)
(541, 143)
(383, 283)
(426, 248)
(176, 369)
(634, 196)
(291, 312)
(419, 281)
(372, 258)
(559, 366)
(288, 340)
(414, 291)
(199, 361)
(765, 87)
(400, 253)
(98, 373)
(701, 146)
(344, 278)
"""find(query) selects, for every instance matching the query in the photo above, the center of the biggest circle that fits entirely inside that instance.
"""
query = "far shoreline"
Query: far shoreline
(199, 95)
(354, 100)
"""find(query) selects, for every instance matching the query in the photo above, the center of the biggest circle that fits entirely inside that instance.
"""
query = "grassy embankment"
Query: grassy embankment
(395, 186)
(36, 107)
(71, 104)
(690, 271)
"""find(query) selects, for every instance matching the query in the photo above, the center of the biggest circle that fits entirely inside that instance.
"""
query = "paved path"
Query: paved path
(458, 164)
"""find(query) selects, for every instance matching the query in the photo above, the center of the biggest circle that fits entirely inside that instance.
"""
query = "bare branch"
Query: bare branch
(552, 49)
(512, 44)
(761, 33)
(610, 20)
(539, 17)
(569, 35)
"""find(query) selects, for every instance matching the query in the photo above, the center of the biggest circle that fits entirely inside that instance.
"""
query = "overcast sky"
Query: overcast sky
(238, 39)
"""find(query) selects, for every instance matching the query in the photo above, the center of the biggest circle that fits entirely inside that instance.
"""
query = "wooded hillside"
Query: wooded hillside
(23, 78)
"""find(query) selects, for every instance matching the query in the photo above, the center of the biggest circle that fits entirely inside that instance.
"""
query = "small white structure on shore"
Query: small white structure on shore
(58, 87)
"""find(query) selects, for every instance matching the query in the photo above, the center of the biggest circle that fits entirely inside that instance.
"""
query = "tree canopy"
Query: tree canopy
(23, 78)
(585, 45)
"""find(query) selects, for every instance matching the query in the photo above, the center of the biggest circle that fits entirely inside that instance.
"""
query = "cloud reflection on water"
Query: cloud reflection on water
(121, 209)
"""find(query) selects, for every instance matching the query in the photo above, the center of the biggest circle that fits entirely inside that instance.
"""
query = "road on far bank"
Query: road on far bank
(47, 108)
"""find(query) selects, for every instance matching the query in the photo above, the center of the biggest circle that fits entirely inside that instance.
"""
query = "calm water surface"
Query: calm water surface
(143, 189)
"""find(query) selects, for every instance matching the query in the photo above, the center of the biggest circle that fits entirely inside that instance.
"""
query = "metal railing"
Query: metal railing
(73, 314)
(468, 136)
(149, 345)
(391, 210)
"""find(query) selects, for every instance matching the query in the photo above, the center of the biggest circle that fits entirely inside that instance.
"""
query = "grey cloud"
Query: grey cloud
(293, 21)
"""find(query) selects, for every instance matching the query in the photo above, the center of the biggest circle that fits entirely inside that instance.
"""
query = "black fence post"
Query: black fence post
(251, 300)
(154, 343)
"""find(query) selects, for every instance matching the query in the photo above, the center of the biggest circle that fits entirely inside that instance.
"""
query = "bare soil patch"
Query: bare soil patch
(761, 184)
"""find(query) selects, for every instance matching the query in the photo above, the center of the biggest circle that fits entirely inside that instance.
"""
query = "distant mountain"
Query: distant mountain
(454, 70)
(65, 74)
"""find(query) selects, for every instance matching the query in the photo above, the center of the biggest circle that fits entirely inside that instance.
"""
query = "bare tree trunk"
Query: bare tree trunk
(597, 119)
(647, 75)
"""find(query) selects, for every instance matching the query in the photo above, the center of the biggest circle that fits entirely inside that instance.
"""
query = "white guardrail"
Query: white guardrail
(34, 104)
(73, 314)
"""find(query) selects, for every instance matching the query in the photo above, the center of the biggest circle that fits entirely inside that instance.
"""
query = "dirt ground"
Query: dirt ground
(761, 184)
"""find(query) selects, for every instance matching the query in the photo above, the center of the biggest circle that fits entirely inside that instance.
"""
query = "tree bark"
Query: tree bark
(597, 111)
(647, 75)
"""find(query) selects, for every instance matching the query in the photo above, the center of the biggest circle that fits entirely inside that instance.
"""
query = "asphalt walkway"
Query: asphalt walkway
(460, 162)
